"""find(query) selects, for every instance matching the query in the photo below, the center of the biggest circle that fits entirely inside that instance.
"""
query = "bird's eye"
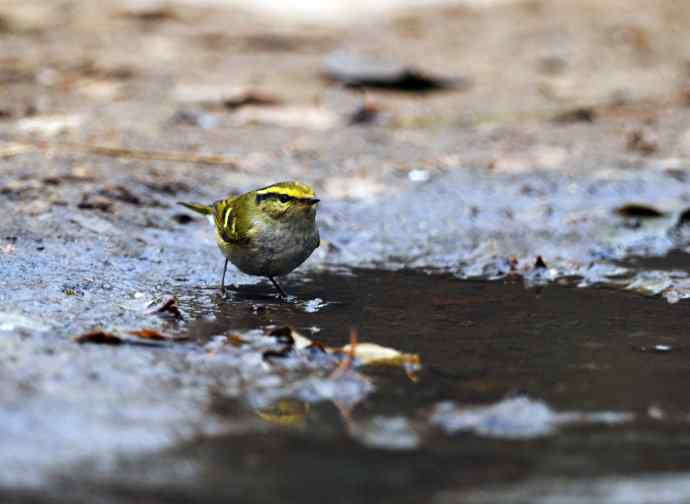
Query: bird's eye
(284, 198)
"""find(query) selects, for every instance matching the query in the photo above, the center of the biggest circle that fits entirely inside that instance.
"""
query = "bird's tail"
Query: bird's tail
(196, 207)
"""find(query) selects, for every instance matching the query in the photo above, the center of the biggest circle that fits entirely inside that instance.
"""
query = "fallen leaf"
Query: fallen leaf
(236, 340)
(150, 334)
(167, 307)
(371, 354)
(286, 412)
(99, 337)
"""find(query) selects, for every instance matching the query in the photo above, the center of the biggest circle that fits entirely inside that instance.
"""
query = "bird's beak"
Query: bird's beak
(311, 201)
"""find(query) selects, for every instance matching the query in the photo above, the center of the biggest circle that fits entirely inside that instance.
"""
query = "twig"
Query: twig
(346, 364)
(123, 152)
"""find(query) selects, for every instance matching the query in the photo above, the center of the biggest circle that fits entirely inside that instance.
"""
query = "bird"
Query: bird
(265, 232)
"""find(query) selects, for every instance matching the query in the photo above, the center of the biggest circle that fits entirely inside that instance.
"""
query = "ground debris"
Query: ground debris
(580, 114)
(289, 116)
(371, 354)
(639, 210)
(347, 363)
(181, 218)
(280, 363)
(121, 193)
(140, 336)
(229, 97)
(99, 337)
(364, 114)
(154, 335)
(95, 202)
(149, 12)
(353, 354)
(356, 70)
(167, 307)
(643, 141)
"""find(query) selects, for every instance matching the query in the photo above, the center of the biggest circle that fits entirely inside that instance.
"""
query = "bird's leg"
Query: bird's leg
(222, 280)
(277, 286)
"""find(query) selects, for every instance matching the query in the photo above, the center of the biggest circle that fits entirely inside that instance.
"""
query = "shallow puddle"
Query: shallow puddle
(599, 375)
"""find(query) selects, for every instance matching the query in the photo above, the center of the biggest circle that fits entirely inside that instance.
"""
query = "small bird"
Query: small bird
(267, 232)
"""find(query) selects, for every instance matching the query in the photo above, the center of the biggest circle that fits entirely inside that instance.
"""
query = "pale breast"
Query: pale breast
(274, 250)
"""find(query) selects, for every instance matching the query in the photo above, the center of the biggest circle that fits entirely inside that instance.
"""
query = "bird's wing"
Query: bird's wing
(232, 228)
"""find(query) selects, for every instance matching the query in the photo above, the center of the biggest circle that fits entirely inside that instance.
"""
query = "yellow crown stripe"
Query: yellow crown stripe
(294, 192)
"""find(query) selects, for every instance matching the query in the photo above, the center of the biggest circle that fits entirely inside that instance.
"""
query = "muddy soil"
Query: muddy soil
(518, 221)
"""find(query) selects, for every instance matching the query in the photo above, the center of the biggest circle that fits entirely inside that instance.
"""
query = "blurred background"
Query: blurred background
(240, 77)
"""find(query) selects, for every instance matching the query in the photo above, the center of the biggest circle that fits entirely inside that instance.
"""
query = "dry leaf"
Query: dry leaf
(150, 334)
(371, 354)
(167, 308)
(99, 337)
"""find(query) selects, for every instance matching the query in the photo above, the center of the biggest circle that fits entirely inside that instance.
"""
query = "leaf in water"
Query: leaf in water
(286, 412)
(365, 354)
(371, 354)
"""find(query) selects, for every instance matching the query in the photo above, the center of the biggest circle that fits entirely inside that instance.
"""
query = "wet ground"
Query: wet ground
(526, 395)
(504, 195)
